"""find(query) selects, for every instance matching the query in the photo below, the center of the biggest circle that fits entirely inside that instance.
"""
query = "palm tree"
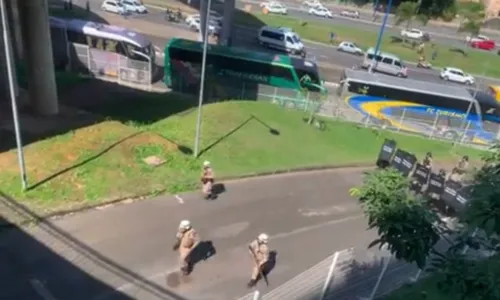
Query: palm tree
(409, 11)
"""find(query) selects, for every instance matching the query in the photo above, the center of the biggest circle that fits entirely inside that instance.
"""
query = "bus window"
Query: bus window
(146, 51)
(111, 46)
(282, 72)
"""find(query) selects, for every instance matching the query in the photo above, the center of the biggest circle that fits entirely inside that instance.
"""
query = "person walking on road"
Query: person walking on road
(259, 250)
(186, 241)
(207, 180)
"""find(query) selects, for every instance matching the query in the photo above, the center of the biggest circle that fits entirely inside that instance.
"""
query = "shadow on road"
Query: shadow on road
(29, 268)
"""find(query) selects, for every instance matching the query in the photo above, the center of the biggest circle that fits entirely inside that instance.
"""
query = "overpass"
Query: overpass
(30, 46)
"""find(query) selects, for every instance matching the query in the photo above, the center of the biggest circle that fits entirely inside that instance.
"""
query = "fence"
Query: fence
(352, 274)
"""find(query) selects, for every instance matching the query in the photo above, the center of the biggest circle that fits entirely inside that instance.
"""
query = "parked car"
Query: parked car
(312, 3)
(456, 75)
(276, 8)
(134, 6)
(484, 44)
(471, 39)
(413, 33)
(320, 11)
(350, 48)
(213, 26)
(113, 6)
(214, 16)
(349, 13)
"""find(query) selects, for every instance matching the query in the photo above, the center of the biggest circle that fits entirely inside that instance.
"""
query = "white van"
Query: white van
(282, 39)
(385, 63)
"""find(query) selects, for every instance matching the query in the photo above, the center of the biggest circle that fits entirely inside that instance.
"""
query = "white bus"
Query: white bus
(103, 40)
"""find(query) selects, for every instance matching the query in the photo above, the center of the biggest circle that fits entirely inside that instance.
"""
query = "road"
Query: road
(331, 61)
(442, 34)
(127, 247)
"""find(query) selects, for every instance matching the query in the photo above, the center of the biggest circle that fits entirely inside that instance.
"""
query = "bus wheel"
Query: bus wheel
(450, 135)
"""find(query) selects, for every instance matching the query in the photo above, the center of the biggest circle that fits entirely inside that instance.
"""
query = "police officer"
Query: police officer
(186, 240)
(458, 172)
(207, 180)
(427, 161)
(259, 250)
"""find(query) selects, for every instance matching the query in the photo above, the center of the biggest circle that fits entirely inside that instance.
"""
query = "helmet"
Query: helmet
(206, 163)
(185, 224)
(429, 154)
(263, 238)
(466, 158)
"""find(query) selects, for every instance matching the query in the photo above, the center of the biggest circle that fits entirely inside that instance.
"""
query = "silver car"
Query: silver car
(350, 48)
(350, 13)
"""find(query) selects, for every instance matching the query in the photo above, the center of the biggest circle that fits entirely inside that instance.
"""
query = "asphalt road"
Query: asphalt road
(331, 61)
(123, 252)
(442, 34)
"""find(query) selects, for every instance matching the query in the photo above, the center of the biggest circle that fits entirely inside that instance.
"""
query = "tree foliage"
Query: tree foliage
(472, 15)
(484, 208)
(467, 278)
(405, 226)
(407, 12)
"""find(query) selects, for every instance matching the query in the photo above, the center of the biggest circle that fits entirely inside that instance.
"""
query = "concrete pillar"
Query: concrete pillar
(203, 18)
(227, 22)
(15, 29)
(34, 18)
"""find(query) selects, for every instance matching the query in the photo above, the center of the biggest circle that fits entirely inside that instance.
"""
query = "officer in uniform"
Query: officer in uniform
(459, 171)
(186, 240)
(259, 250)
(207, 180)
(427, 161)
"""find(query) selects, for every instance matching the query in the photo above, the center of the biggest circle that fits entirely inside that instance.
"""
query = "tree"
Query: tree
(472, 15)
(405, 226)
(409, 11)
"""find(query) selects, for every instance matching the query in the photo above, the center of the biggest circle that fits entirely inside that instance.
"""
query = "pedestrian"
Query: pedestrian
(458, 172)
(186, 241)
(207, 180)
(427, 161)
(434, 52)
(259, 250)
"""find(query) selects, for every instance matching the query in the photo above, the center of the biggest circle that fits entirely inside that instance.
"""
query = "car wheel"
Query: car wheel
(400, 75)
(445, 78)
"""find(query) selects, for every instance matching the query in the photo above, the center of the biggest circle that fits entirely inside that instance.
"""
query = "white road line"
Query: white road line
(317, 226)
(129, 285)
(41, 290)
(179, 199)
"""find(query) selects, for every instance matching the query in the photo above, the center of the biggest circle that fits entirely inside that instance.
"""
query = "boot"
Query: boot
(185, 271)
(251, 283)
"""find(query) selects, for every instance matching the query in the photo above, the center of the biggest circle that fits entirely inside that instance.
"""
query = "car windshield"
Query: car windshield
(296, 39)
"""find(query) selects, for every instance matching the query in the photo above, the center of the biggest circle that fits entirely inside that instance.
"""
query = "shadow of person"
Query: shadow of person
(271, 263)
(217, 189)
(203, 251)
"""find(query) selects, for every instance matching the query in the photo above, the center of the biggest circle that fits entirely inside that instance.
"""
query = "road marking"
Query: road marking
(41, 290)
(179, 199)
(129, 285)
(317, 226)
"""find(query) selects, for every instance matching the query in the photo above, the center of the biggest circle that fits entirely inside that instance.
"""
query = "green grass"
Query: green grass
(477, 62)
(105, 161)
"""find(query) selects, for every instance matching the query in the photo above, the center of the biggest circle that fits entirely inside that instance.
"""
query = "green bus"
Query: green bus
(237, 73)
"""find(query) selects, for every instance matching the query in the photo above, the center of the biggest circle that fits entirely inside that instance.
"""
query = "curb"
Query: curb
(33, 218)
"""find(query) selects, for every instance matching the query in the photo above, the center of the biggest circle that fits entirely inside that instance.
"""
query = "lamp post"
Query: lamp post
(380, 34)
(202, 78)
(19, 143)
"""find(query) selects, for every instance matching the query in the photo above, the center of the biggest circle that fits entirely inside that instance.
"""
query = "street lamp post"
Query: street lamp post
(202, 79)
(380, 34)
(19, 143)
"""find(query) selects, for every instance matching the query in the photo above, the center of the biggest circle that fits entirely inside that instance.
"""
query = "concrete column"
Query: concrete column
(34, 18)
(203, 18)
(15, 29)
(227, 22)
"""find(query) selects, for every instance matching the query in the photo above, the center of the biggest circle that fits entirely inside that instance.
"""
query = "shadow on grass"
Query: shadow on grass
(29, 266)
(91, 158)
(234, 130)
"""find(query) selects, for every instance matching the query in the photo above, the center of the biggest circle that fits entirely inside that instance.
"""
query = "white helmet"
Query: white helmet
(206, 163)
(263, 238)
(185, 224)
